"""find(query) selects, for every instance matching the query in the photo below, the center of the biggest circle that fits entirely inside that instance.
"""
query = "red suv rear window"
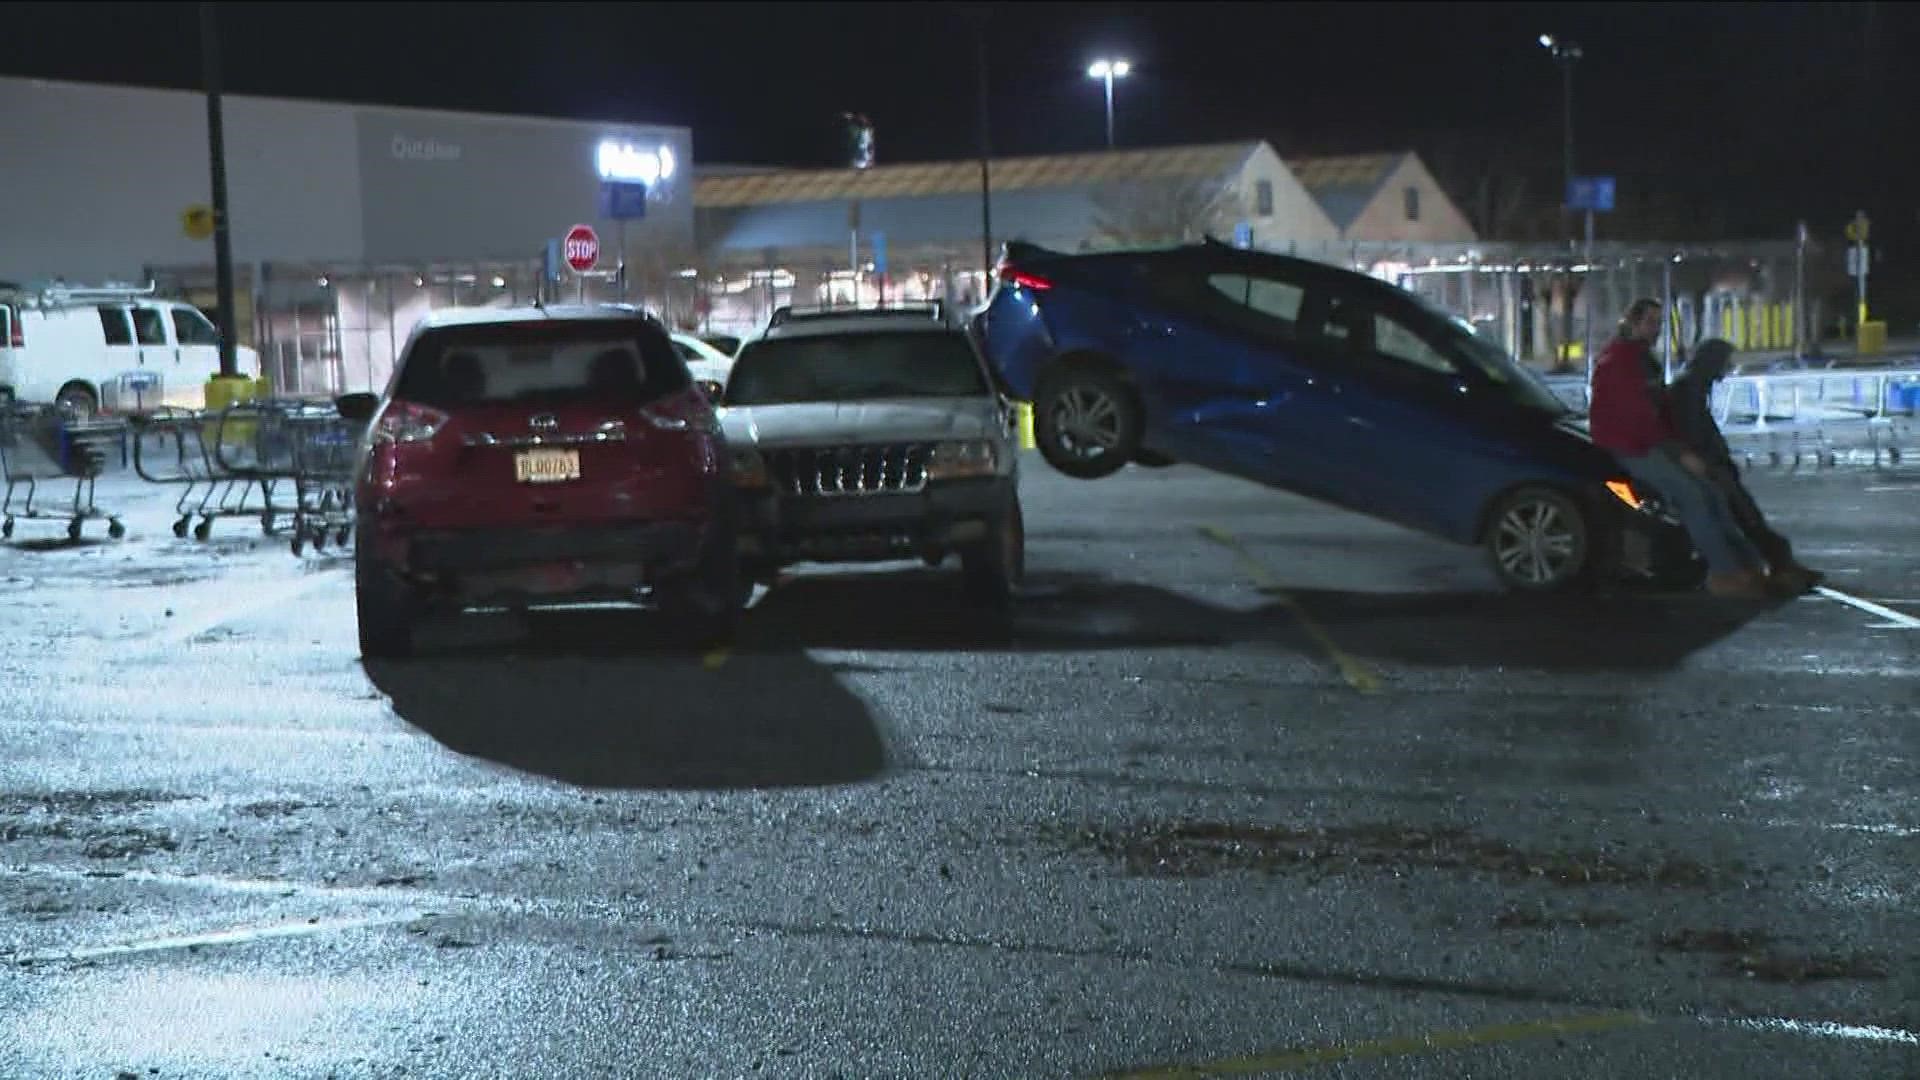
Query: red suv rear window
(551, 362)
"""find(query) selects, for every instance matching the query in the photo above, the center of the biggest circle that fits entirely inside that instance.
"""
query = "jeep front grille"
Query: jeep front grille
(879, 469)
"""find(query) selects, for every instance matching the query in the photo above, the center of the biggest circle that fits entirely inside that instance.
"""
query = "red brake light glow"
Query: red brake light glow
(1021, 279)
(405, 422)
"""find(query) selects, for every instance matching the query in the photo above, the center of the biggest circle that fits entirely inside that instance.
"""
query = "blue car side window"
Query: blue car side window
(1267, 307)
(1397, 341)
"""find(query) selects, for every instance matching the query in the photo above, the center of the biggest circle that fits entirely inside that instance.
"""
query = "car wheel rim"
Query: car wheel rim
(1536, 542)
(1088, 421)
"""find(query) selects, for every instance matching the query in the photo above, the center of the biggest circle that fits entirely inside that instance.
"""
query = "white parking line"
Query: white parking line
(237, 936)
(1895, 620)
(1894, 487)
(1824, 1029)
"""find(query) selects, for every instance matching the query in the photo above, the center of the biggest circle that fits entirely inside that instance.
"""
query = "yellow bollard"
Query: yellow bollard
(1786, 323)
(237, 432)
(223, 390)
(1023, 416)
(1872, 338)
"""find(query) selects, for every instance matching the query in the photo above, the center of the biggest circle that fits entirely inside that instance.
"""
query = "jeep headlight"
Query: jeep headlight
(746, 467)
(957, 460)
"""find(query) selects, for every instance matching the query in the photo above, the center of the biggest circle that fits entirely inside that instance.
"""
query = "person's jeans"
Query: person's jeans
(1703, 511)
(1773, 547)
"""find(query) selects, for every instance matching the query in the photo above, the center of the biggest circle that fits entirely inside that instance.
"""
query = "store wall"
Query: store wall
(94, 179)
(479, 187)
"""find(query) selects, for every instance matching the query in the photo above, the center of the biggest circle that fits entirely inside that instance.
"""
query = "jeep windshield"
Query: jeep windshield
(855, 367)
(542, 362)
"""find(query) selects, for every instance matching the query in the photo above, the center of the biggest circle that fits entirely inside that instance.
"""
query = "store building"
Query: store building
(916, 231)
(349, 222)
(1384, 198)
(826, 236)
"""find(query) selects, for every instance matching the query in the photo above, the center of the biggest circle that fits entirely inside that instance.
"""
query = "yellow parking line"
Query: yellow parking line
(715, 658)
(1356, 674)
(1403, 1046)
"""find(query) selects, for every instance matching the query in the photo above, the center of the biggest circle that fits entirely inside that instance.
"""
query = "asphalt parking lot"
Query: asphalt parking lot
(1244, 786)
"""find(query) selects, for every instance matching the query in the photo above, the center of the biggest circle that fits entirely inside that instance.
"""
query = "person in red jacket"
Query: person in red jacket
(1629, 416)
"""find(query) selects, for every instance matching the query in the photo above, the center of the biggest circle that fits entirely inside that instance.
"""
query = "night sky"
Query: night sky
(1749, 115)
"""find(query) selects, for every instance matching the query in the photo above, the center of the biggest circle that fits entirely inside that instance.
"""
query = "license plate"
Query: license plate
(546, 466)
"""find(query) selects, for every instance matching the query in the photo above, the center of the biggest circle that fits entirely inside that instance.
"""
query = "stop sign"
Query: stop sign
(582, 248)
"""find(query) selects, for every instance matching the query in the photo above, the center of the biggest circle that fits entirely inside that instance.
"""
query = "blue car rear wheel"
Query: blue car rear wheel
(1086, 421)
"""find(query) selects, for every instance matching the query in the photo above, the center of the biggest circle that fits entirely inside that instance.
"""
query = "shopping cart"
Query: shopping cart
(42, 443)
(177, 446)
(305, 443)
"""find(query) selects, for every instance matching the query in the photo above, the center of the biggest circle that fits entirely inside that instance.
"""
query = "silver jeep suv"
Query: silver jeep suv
(870, 436)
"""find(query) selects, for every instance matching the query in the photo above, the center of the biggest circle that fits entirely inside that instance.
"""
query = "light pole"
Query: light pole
(1568, 54)
(1107, 71)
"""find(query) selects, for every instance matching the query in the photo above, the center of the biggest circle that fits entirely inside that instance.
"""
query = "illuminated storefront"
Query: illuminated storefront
(348, 221)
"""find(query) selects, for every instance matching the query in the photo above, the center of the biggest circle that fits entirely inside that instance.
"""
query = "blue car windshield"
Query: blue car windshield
(1520, 382)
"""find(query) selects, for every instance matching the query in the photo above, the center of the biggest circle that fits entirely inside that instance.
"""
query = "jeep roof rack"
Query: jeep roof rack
(787, 313)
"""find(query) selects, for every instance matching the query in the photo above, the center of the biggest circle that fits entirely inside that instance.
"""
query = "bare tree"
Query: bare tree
(1160, 211)
(1491, 178)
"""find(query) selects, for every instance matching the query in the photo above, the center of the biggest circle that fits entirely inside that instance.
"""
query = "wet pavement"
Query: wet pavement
(1244, 786)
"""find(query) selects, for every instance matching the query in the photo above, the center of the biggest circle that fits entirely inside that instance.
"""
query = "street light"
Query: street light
(1568, 54)
(1107, 71)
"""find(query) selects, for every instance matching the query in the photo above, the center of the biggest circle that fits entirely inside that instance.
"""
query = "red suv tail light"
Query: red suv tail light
(683, 413)
(405, 422)
(17, 339)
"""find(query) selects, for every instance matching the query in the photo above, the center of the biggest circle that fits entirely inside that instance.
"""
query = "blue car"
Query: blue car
(1323, 382)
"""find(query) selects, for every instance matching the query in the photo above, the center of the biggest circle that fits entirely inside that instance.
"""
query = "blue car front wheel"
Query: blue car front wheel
(1539, 540)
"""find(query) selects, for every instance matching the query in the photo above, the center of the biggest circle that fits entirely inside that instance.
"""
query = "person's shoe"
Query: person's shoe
(1740, 585)
(1793, 580)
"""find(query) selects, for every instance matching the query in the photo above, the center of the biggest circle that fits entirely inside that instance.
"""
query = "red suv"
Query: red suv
(537, 456)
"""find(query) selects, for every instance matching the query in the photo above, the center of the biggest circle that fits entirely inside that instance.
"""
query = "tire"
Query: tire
(1540, 540)
(387, 610)
(1086, 421)
(992, 571)
(78, 400)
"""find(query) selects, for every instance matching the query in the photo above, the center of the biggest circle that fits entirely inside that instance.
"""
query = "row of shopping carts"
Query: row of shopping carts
(287, 463)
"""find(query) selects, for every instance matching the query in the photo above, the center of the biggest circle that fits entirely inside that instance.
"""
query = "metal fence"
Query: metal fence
(1797, 397)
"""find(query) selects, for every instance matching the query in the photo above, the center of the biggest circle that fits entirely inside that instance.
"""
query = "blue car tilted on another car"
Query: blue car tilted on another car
(1324, 382)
